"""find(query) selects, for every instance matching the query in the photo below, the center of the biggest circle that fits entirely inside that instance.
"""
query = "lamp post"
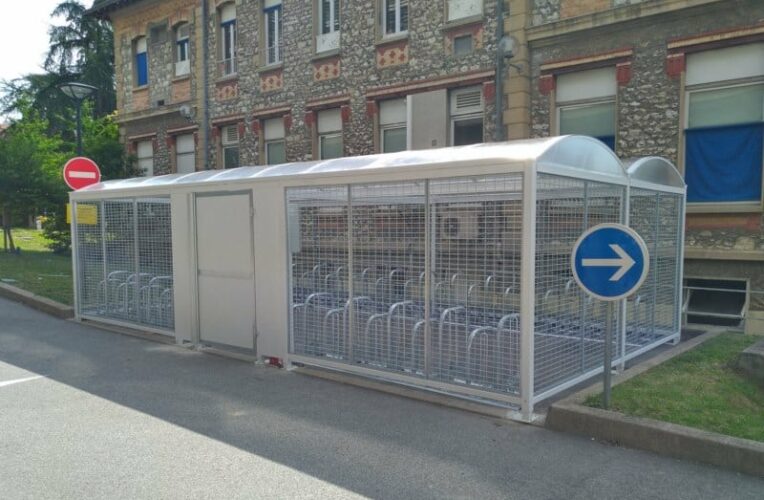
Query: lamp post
(78, 92)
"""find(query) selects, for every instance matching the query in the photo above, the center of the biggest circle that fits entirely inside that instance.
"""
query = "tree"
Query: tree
(83, 47)
(29, 164)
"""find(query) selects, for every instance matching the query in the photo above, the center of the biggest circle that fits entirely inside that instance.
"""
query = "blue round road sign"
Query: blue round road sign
(610, 261)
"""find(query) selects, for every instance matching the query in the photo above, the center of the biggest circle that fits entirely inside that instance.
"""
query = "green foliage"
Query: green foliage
(57, 233)
(697, 389)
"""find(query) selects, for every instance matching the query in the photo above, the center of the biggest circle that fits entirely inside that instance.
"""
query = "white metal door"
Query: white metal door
(226, 271)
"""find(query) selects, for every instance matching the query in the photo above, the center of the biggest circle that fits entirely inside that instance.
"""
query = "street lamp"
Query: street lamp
(78, 92)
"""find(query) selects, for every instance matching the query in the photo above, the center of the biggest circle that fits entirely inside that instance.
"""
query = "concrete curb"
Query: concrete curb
(664, 438)
(673, 440)
(36, 302)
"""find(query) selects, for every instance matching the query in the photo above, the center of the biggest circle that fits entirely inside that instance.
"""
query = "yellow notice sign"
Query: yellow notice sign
(86, 214)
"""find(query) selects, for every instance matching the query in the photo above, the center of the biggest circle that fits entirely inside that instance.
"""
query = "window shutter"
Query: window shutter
(732, 63)
(329, 120)
(273, 129)
(466, 101)
(583, 85)
(228, 13)
(392, 111)
(230, 135)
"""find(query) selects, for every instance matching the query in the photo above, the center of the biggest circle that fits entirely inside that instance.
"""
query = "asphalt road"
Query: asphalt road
(91, 414)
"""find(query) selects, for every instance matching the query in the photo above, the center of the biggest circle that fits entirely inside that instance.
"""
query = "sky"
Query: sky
(24, 37)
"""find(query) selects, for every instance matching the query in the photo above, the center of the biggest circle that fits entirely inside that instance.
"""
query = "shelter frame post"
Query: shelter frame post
(528, 293)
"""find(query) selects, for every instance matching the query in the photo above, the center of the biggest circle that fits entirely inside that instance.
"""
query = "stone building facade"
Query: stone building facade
(239, 94)
(661, 58)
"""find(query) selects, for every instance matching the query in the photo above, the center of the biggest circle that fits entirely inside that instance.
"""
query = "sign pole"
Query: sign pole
(607, 371)
(610, 262)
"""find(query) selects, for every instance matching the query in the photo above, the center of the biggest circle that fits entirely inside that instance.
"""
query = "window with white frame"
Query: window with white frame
(462, 9)
(141, 62)
(466, 115)
(185, 154)
(328, 37)
(273, 23)
(275, 144)
(585, 104)
(228, 39)
(392, 125)
(145, 152)
(229, 141)
(329, 134)
(395, 16)
(182, 64)
(724, 125)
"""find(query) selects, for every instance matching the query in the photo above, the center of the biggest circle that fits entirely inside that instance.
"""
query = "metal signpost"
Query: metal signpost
(609, 262)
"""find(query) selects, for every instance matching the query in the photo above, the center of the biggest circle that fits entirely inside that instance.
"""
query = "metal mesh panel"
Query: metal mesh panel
(651, 314)
(318, 248)
(125, 262)
(569, 326)
(388, 275)
(475, 285)
(90, 265)
(472, 256)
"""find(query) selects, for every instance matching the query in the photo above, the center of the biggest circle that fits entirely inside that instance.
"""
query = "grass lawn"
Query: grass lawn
(37, 269)
(697, 389)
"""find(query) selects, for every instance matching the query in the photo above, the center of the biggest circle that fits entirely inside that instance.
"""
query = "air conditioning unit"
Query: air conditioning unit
(459, 224)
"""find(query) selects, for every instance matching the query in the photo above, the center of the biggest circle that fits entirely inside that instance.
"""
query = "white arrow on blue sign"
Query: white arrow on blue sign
(610, 261)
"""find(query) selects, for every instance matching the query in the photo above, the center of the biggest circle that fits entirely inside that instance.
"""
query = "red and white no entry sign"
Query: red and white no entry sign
(81, 172)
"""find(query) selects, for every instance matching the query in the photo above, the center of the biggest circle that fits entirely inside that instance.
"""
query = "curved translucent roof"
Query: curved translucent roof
(655, 170)
(567, 152)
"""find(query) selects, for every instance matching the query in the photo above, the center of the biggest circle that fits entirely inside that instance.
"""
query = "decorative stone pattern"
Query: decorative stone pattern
(271, 81)
(326, 69)
(227, 90)
(393, 54)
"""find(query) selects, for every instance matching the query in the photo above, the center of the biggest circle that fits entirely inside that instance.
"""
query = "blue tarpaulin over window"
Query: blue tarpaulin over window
(724, 163)
(142, 69)
(609, 141)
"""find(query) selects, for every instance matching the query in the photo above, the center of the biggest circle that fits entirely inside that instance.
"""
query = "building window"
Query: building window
(466, 113)
(275, 145)
(185, 154)
(724, 125)
(585, 103)
(182, 65)
(328, 25)
(396, 16)
(272, 14)
(392, 125)
(462, 9)
(463, 45)
(228, 39)
(329, 134)
(145, 153)
(141, 62)
(230, 143)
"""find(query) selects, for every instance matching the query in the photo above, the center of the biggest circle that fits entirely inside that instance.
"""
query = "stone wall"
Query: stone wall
(649, 121)
(304, 77)
(548, 11)
(153, 110)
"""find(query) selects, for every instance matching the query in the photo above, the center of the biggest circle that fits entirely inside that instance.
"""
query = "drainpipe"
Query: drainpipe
(206, 82)
(499, 126)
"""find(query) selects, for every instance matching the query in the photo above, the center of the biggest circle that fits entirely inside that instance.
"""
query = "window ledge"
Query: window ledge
(227, 78)
(271, 67)
(325, 54)
(725, 208)
(465, 21)
(181, 78)
(397, 37)
(140, 88)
